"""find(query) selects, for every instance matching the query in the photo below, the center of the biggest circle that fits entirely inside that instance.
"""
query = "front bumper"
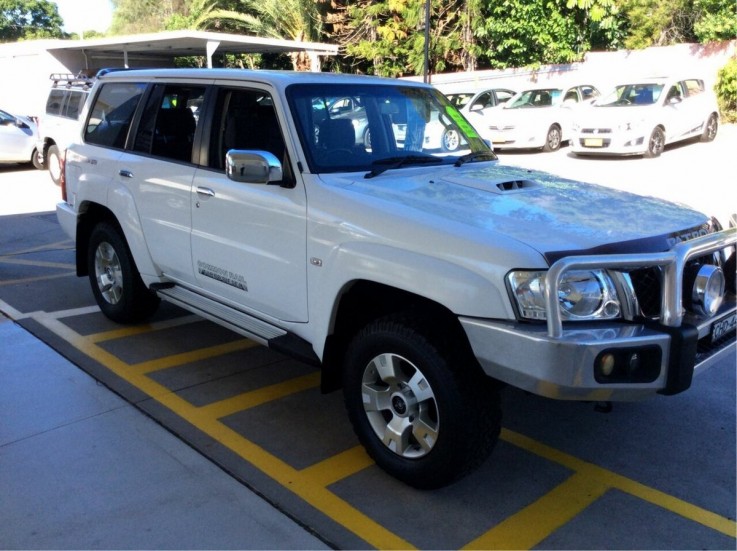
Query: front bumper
(611, 143)
(612, 360)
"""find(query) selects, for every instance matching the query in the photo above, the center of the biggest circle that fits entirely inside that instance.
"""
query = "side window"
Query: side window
(245, 119)
(694, 87)
(484, 100)
(675, 93)
(74, 103)
(169, 121)
(571, 95)
(112, 113)
(503, 96)
(53, 104)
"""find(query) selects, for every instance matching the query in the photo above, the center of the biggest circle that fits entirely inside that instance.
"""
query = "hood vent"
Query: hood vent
(514, 185)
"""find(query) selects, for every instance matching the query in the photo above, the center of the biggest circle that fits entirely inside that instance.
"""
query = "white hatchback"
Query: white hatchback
(642, 116)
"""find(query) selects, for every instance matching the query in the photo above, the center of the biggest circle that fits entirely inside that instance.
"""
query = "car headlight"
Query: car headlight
(583, 295)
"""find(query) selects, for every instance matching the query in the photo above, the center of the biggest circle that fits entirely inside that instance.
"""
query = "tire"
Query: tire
(656, 143)
(710, 128)
(451, 140)
(53, 162)
(553, 139)
(423, 416)
(367, 139)
(36, 161)
(116, 283)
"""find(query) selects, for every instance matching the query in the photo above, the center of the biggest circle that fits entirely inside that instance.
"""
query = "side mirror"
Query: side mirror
(476, 107)
(253, 167)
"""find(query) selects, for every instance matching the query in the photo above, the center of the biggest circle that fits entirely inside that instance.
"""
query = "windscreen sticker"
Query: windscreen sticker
(462, 123)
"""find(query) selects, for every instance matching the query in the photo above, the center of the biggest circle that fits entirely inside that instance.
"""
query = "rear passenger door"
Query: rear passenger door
(249, 241)
(159, 168)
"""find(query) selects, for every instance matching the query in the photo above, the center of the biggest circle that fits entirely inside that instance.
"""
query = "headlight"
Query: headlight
(582, 295)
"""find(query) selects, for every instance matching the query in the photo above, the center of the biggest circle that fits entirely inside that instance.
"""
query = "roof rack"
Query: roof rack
(69, 80)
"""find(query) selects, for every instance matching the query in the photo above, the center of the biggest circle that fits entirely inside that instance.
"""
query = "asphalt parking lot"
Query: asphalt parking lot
(658, 474)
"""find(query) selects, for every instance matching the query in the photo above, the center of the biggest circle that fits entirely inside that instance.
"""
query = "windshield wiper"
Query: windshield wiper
(475, 156)
(390, 163)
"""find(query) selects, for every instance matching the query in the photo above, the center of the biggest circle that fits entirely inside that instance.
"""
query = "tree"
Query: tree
(658, 23)
(143, 16)
(716, 20)
(25, 19)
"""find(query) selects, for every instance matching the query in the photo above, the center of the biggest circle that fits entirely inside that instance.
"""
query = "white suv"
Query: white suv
(415, 278)
(60, 125)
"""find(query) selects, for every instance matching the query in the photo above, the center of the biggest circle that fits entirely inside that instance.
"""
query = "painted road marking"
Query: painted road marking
(539, 519)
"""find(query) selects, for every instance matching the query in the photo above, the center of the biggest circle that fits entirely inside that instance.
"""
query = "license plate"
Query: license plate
(723, 326)
(593, 142)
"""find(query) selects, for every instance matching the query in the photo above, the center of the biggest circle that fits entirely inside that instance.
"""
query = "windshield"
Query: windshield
(631, 94)
(354, 127)
(536, 98)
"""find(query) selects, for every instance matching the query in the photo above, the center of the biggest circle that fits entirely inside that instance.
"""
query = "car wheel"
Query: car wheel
(656, 144)
(367, 139)
(423, 416)
(710, 128)
(451, 140)
(53, 161)
(116, 283)
(553, 139)
(36, 160)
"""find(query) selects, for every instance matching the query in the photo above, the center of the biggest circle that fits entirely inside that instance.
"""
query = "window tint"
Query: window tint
(245, 119)
(112, 112)
(53, 104)
(169, 121)
(74, 103)
(694, 87)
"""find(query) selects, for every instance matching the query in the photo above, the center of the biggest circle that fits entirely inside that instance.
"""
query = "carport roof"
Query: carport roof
(189, 43)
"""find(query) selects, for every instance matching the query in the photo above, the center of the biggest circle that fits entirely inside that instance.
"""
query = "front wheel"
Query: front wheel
(36, 160)
(656, 144)
(451, 139)
(422, 415)
(116, 284)
(553, 139)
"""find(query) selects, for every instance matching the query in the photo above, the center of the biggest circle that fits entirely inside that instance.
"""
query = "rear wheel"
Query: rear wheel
(116, 284)
(422, 415)
(451, 140)
(656, 144)
(553, 139)
(53, 161)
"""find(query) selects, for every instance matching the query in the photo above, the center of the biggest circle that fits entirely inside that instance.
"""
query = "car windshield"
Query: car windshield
(536, 98)
(631, 94)
(373, 128)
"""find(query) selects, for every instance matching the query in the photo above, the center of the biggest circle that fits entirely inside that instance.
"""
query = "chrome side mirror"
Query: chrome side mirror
(252, 166)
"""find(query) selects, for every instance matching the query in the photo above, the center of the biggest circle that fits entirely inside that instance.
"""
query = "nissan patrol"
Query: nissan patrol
(419, 280)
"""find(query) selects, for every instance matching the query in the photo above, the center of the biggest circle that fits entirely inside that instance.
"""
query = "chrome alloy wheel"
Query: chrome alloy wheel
(400, 405)
(108, 273)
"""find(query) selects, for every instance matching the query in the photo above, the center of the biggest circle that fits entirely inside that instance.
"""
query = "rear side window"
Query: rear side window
(112, 112)
(55, 101)
(169, 121)
(74, 103)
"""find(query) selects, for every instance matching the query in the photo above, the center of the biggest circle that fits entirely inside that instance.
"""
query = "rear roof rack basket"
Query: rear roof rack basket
(69, 80)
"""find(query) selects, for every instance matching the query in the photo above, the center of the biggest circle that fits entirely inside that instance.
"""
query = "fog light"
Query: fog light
(606, 364)
(708, 290)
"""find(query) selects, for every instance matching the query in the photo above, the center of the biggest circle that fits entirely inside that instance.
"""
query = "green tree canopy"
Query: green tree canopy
(25, 19)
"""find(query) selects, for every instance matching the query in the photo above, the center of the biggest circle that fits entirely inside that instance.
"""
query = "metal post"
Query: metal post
(426, 72)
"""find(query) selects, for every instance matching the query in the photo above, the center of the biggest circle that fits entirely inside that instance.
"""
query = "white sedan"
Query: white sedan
(18, 137)
(641, 117)
(537, 118)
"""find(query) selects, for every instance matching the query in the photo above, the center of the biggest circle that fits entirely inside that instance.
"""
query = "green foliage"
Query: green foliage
(726, 90)
(658, 23)
(27, 19)
(717, 20)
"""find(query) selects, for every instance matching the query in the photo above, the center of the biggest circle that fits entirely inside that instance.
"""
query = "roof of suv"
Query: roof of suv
(279, 79)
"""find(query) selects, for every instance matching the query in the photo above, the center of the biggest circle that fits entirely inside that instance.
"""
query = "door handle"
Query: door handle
(125, 173)
(205, 192)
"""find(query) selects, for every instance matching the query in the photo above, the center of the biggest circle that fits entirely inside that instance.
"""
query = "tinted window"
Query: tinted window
(112, 112)
(53, 104)
(245, 119)
(169, 121)
(73, 106)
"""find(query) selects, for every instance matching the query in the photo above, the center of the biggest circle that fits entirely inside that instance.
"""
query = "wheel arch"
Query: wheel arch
(363, 301)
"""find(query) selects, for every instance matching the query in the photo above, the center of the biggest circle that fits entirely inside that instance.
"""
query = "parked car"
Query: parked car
(59, 125)
(537, 118)
(468, 102)
(18, 137)
(416, 280)
(641, 117)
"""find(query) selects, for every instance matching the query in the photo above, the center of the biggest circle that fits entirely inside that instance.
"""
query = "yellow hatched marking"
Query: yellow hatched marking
(188, 357)
(253, 398)
(303, 486)
(141, 329)
(37, 263)
(537, 521)
(338, 467)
